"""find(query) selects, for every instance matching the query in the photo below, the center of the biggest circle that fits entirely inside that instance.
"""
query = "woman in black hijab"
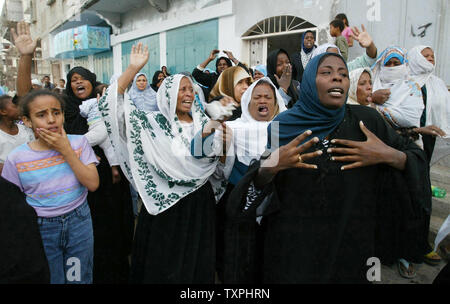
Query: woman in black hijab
(158, 78)
(342, 187)
(110, 205)
(300, 59)
(280, 71)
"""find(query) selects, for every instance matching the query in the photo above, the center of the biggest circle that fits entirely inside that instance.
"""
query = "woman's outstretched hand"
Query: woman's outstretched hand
(22, 39)
(363, 37)
(138, 59)
(365, 40)
(371, 152)
(139, 56)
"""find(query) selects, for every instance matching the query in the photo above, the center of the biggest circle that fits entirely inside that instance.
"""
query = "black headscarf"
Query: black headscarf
(305, 49)
(272, 71)
(226, 59)
(155, 80)
(74, 122)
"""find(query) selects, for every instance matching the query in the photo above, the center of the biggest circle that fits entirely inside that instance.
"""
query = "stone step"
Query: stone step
(440, 177)
(441, 207)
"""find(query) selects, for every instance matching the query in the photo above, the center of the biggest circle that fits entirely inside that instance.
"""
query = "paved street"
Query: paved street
(425, 274)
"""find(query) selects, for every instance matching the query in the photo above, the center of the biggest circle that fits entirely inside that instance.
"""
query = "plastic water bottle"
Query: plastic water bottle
(438, 192)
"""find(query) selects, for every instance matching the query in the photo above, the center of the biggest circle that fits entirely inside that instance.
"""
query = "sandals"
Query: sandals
(406, 269)
(432, 258)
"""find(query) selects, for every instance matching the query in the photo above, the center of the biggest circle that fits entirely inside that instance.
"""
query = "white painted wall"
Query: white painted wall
(149, 21)
(117, 58)
(228, 41)
(393, 26)
(163, 49)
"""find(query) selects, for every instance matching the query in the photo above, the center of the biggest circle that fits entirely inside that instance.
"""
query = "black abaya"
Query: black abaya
(322, 226)
(177, 246)
(110, 204)
(22, 255)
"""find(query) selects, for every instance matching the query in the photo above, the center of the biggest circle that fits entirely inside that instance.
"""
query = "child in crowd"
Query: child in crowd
(347, 32)
(56, 171)
(97, 133)
(336, 29)
(12, 134)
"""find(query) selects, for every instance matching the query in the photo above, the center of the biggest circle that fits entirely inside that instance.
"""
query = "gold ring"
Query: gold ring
(300, 160)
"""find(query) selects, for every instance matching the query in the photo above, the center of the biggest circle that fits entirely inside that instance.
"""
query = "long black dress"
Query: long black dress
(110, 204)
(321, 226)
(22, 255)
(177, 246)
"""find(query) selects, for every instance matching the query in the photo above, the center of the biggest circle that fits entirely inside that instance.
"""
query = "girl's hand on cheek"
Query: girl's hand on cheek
(56, 141)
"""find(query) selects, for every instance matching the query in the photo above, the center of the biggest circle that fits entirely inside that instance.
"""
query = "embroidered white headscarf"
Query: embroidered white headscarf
(155, 152)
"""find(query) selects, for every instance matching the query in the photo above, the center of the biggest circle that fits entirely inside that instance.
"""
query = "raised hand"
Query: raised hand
(22, 39)
(213, 55)
(364, 39)
(230, 55)
(285, 80)
(371, 152)
(139, 56)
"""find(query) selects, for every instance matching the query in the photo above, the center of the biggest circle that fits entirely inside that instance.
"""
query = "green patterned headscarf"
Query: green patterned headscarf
(153, 148)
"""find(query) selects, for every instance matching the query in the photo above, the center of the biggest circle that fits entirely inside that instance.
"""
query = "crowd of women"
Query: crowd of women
(297, 171)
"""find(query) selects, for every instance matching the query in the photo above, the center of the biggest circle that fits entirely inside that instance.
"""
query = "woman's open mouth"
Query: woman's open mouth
(336, 92)
(263, 110)
(81, 90)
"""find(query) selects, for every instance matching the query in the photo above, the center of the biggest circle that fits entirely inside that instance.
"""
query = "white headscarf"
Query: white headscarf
(249, 134)
(323, 49)
(438, 97)
(156, 153)
(355, 75)
(249, 139)
(405, 106)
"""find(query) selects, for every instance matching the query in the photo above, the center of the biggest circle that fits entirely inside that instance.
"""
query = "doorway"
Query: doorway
(290, 43)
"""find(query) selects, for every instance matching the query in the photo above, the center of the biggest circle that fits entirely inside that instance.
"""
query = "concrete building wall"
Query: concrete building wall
(390, 22)
(395, 22)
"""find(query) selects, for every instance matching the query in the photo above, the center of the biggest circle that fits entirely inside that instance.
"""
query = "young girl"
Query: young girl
(55, 171)
(347, 33)
(11, 133)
